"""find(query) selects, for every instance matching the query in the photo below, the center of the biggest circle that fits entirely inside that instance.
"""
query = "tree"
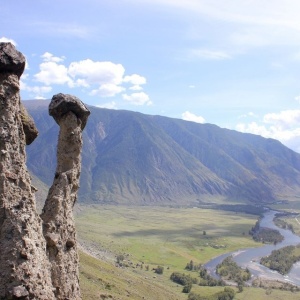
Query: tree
(227, 294)
(187, 288)
(190, 266)
(159, 270)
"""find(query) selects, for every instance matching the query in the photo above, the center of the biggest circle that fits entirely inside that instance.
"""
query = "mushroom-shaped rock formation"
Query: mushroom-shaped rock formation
(25, 269)
(11, 60)
(59, 228)
(64, 103)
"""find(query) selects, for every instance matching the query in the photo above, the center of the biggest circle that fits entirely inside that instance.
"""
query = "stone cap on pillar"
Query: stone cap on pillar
(11, 60)
(63, 103)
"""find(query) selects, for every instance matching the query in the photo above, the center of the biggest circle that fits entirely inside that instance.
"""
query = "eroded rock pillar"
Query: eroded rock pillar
(59, 227)
(24, 267)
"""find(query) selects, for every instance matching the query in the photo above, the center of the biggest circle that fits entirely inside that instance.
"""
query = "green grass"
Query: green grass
(162, 235)
(165, 236)
(101, 280)
(265, 294)
(294, 222)
(291, 204)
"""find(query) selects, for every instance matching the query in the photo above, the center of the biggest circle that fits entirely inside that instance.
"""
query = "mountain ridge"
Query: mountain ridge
(132, 158)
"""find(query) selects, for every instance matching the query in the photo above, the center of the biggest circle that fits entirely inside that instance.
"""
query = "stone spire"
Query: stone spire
(58, 221)
(25, 269)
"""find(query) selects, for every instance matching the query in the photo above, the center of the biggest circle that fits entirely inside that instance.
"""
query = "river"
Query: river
(250, 257)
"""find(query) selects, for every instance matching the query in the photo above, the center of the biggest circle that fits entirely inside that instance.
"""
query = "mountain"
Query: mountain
(132, 158)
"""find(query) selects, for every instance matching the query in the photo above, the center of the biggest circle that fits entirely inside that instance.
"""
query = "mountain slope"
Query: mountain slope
(129, 157)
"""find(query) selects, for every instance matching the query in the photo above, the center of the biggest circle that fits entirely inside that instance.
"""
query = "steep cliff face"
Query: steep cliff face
(38, 257)
(25, 269)
(58, 222)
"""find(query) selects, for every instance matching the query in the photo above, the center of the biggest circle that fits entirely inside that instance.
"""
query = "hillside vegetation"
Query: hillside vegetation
(102, 280)
(163, 235)
(131, 158)
(148, 237)
(159, 236)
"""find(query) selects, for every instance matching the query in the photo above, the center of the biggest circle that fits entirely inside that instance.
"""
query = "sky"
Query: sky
(233, 63)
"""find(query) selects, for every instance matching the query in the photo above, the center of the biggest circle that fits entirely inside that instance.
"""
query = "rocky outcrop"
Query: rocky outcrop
(11, 60)
(29, 128)
(58, 222)
(38, 255)
(25, 269)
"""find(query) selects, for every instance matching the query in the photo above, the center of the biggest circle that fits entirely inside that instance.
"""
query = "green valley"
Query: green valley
(148, 237)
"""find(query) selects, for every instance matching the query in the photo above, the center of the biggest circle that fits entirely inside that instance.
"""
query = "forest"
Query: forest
(282, 260)
(265, 235)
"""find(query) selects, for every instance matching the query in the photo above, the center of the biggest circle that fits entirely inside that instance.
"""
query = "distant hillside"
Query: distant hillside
(129, 157)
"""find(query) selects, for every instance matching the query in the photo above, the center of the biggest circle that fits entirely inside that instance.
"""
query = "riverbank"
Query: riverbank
(249, 258)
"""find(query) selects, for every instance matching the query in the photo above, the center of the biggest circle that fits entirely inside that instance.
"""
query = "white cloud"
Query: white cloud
(137, 98)
(39, 90)
(136, 88)
(53, 73)
(188, 116)
(254, 128)
(82, 83)
(7, 40)
(107, 90)
(97, 78)
(36, 92)
(50, 57)
(25, 76)
(284, 120)
(107, 76)
(283, 126)
(97, 72)
(109, 105)
(135, 79)
(22, 85)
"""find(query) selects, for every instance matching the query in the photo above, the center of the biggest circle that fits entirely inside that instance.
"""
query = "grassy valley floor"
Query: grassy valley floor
(147, 237)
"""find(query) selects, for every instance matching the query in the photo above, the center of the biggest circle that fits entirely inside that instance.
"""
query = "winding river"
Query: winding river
(249, 258)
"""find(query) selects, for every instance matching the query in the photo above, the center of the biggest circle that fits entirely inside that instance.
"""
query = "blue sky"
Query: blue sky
(232, 63)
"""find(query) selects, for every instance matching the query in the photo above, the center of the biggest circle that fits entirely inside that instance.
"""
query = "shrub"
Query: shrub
(187, 288)
(181, 279)
(159, 270)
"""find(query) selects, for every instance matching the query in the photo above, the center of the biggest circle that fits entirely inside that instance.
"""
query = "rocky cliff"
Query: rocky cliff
(38, 256)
